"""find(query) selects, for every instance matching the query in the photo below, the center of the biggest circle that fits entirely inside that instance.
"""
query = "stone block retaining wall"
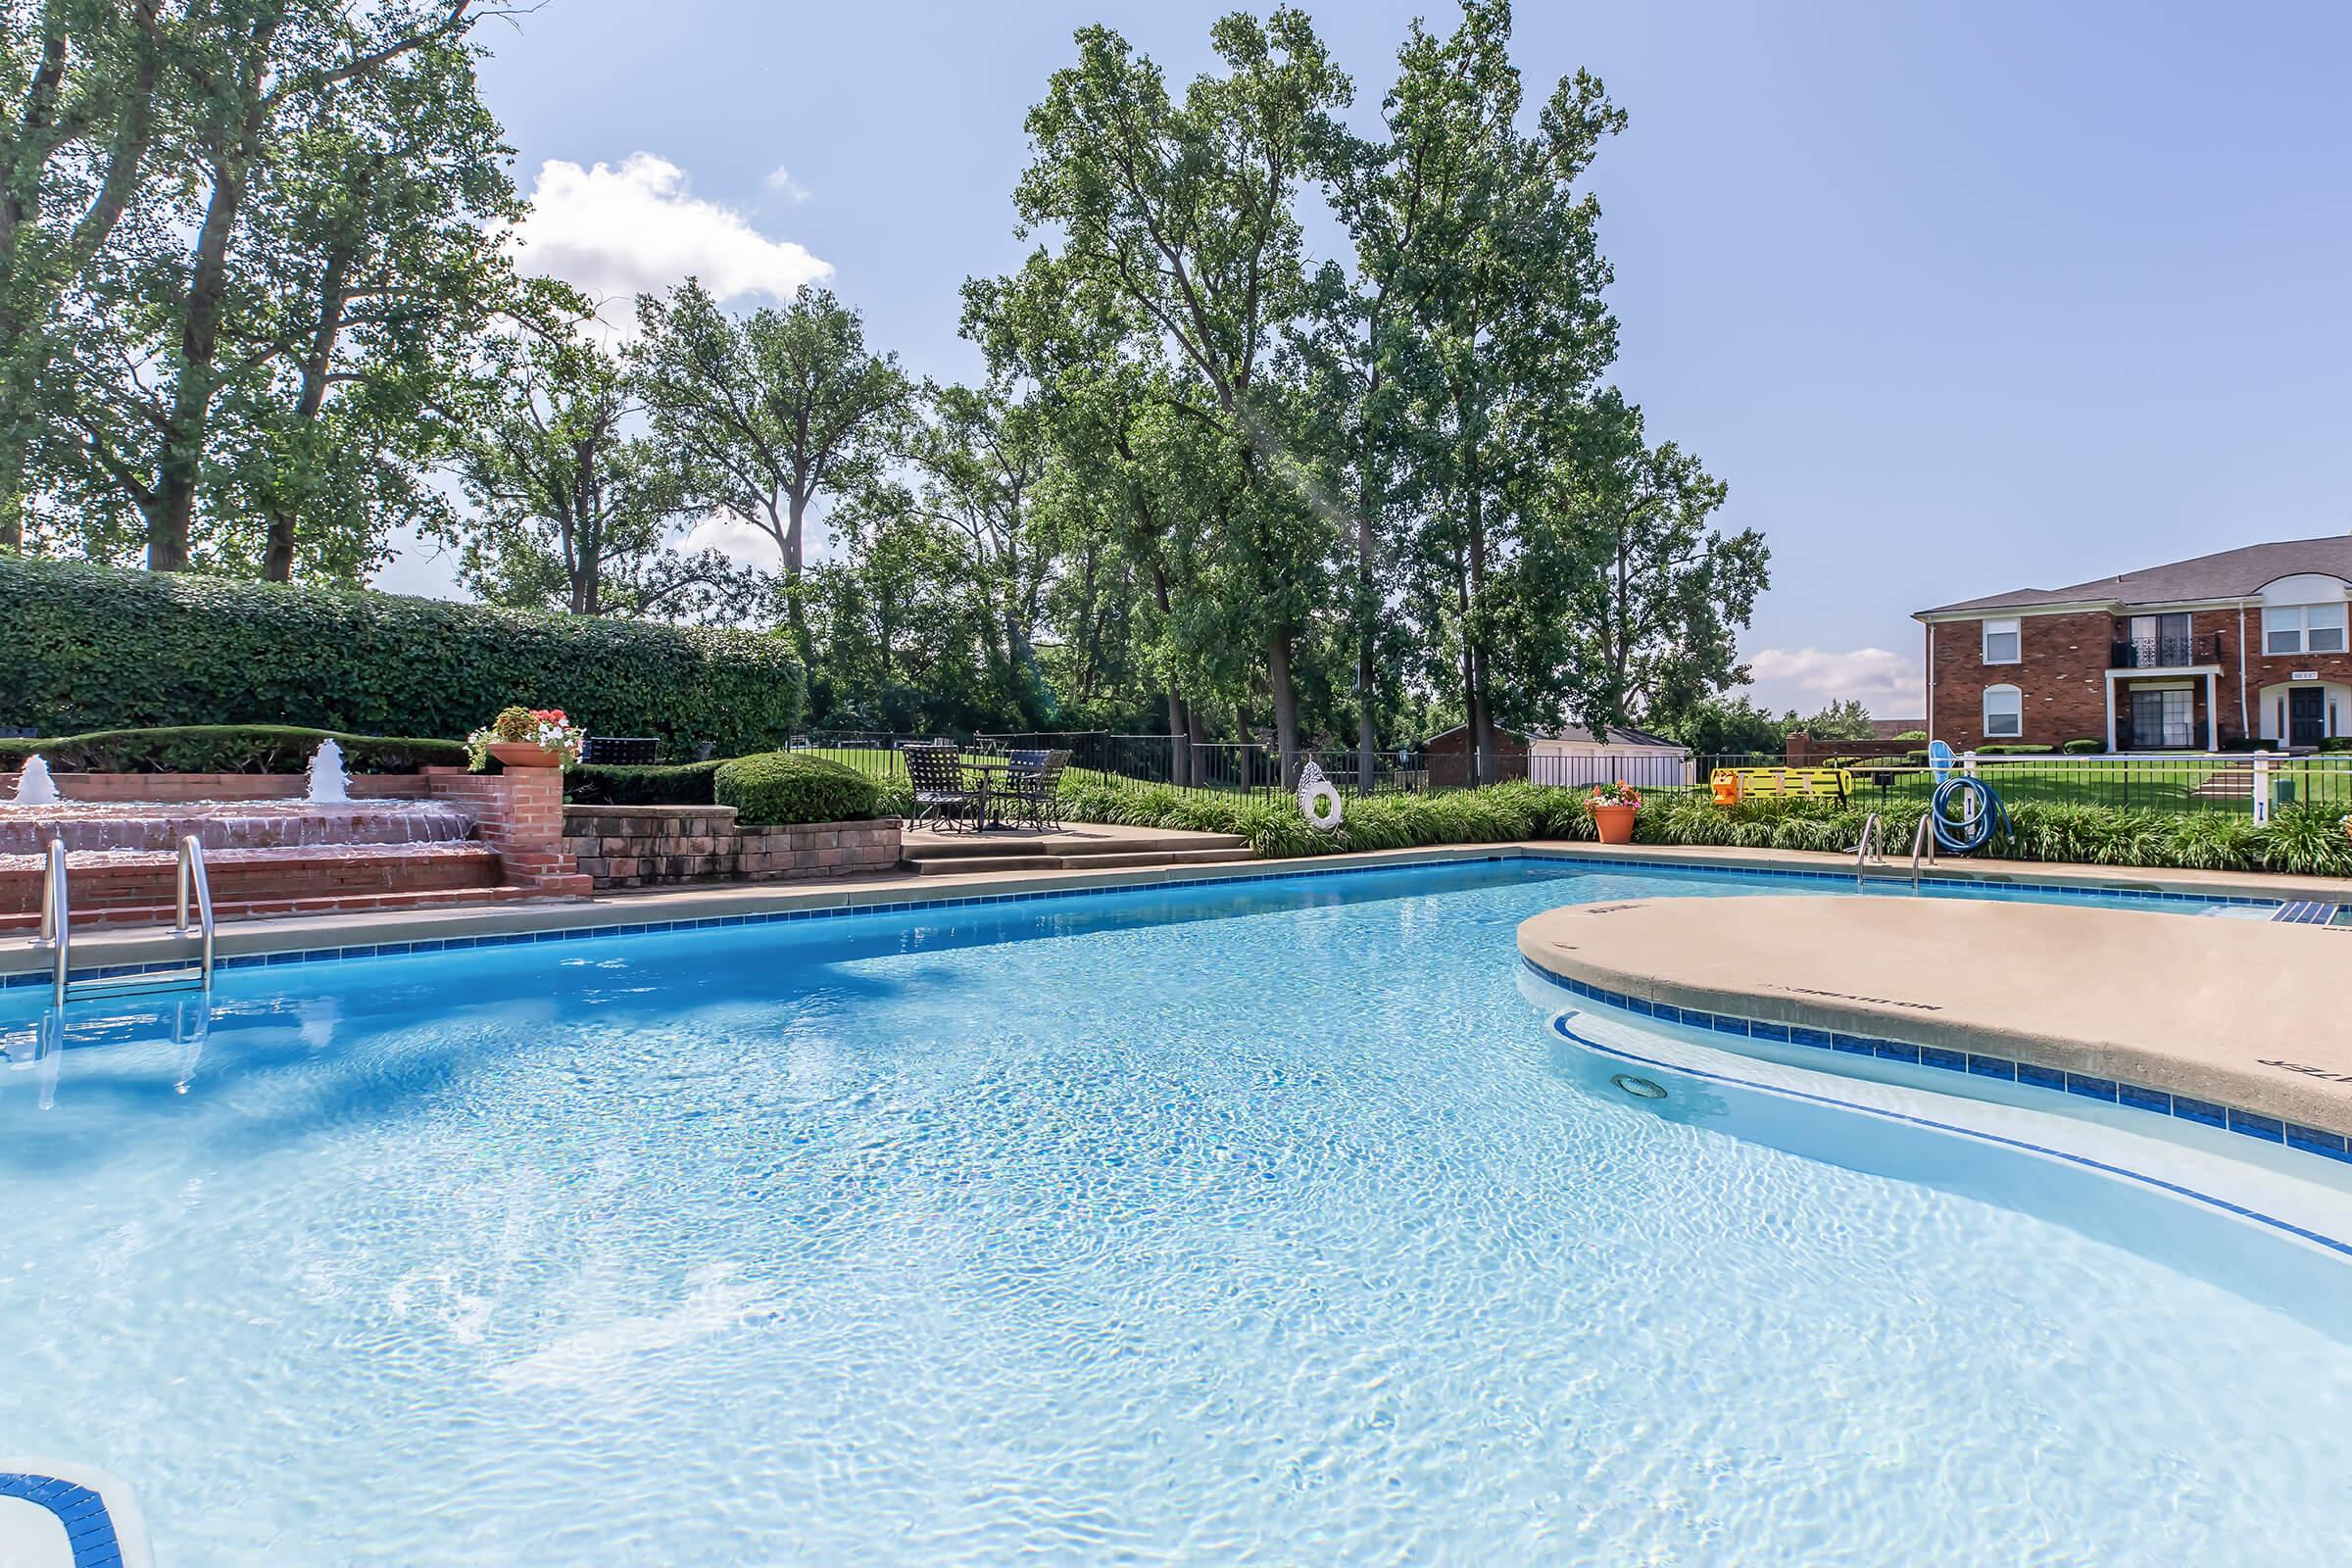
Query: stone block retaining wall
(662, 846)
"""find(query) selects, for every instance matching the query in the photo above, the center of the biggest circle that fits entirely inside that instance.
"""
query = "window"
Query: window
(2303, 629)
(2164, 718)
(2000, 641)
(2004, 711)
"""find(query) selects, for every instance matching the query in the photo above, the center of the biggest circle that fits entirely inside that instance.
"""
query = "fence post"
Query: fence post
(1968, 763)
(2262, 787)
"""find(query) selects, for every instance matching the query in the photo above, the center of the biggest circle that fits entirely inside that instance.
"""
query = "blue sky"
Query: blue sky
(1955, 298)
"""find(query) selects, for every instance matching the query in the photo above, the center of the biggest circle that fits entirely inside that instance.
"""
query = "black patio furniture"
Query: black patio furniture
(1031, 788)
(942, 795)
(621, 751)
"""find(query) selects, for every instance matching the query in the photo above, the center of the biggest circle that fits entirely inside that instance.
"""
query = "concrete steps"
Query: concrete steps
(944, 855)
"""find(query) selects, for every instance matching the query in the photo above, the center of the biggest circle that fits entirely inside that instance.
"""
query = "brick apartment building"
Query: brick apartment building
(2248, 645)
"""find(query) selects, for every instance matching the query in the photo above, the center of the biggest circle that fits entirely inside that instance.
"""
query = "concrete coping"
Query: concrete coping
(2251, 1015)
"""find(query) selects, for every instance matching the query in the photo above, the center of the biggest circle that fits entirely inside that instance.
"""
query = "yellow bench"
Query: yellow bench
(1732, 785)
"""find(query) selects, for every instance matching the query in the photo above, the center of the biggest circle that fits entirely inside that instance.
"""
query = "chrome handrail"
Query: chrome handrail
(57, 920)
(192, 872)
(1870, 832)
(1922, 839)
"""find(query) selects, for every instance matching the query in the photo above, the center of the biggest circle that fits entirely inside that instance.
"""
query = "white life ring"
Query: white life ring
(1317, 799)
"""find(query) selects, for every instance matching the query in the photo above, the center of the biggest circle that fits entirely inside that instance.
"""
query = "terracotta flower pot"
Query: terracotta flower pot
(1616, 824)
(525, 753)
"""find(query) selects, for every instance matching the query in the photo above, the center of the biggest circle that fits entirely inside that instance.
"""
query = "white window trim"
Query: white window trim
(1987, 629)
(2299, 627)
(1985, 713)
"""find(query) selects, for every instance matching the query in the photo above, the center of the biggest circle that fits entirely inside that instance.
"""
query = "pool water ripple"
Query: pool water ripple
(1283, 1237)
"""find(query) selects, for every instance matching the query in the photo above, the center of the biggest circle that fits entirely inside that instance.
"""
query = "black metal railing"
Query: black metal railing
(2165, 653)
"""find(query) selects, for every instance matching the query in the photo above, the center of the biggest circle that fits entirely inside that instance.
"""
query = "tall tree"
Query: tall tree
(765, 413)
(79, 80)
(1509, 317)
(1179, 224)
(282, 97)
(570, 511)
(1655, 631)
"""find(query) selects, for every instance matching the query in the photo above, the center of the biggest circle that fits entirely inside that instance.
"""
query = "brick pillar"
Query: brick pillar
(520, 813)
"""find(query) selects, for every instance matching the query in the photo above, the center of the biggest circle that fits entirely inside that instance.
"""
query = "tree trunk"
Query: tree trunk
(277, 555)
(188, 424)
(1286, 703)
(1181, 757)
(15, 446)
(1474, 660)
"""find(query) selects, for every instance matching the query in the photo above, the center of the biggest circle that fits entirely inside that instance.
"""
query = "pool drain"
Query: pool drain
(1639, 1088)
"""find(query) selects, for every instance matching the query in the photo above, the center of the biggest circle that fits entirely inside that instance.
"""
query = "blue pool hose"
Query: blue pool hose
(1981, 814)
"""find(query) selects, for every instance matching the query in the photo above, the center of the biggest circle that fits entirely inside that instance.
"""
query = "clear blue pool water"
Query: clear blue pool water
(1263, 1224)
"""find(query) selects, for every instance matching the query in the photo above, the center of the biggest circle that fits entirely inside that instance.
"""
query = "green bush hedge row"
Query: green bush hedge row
(673, 784)
(782, 788)
(228, 749)
(2300, 840)
(91, 647)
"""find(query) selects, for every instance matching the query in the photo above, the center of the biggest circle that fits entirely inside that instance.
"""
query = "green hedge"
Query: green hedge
(228, 749)
(776, 789)
(2301, 839)
(91, 647)
(678, 784)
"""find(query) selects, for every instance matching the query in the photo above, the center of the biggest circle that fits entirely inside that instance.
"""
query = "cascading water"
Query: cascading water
(34, 786)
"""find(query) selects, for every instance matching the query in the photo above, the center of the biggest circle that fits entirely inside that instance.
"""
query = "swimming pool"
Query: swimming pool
(1257, 1223)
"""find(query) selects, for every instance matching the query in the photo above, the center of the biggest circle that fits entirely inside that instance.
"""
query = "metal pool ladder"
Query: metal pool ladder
(56, 932)
(1922, 840)
(1865, 851)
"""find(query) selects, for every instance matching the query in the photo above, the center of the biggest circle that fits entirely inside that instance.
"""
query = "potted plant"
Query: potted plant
(1614, 808)
(526, 737)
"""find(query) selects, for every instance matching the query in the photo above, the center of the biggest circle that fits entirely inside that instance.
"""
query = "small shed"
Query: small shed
(1573, 756)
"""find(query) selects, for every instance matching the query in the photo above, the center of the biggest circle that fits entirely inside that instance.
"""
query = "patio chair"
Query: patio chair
(936, 774)
(1032, 787)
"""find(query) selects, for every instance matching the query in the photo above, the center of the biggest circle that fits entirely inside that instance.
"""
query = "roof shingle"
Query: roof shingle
(2229, 574)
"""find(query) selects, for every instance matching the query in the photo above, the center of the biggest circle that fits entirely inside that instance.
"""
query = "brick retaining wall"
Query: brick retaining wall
(661, 846)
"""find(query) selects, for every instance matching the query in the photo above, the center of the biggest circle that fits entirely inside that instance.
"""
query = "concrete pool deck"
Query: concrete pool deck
(2248, 1015)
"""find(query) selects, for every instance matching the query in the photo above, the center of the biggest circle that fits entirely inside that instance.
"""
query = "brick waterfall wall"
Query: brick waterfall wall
(519, 812)
(662, 846)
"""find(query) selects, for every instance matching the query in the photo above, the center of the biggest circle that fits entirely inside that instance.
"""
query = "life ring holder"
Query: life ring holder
(1319, 800)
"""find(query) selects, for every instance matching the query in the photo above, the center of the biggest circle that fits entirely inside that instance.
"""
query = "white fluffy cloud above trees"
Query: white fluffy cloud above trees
(618, 232)
(1885, 682)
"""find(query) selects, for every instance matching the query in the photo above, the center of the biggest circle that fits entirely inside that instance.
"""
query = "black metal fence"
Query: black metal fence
(2202, 781)
(2226, 781)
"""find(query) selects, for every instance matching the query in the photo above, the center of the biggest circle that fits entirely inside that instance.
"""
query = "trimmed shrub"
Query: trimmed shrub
(678, 784)
(228, 749)
(2085, 746)
(99, 648)
(776, 789)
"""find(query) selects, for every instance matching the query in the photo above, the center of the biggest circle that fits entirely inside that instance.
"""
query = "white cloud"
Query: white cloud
(780, 179)
(616, 232)
(737, 540)
(1887, 683)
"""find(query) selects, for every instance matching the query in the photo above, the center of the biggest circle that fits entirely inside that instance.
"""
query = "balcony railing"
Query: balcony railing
(2165, 653)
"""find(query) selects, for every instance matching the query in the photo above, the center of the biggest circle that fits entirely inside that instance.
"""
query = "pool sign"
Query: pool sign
(1317, 799)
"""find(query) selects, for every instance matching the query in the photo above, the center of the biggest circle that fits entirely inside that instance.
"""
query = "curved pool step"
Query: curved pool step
(2236, 1024)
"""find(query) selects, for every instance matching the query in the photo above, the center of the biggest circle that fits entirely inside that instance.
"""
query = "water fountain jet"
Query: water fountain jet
(329, 782)
(34, 786)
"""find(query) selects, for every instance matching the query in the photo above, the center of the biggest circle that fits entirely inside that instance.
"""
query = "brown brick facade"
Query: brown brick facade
(2061, 677)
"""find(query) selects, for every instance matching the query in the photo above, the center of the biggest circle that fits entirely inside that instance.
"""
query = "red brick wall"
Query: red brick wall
(2062, 676)
(520, 813)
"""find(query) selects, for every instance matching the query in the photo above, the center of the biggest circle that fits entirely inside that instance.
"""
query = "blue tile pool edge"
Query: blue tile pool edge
(89, 1529)
(2111, 1090)
(2333, 1243)
(1944, 887)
